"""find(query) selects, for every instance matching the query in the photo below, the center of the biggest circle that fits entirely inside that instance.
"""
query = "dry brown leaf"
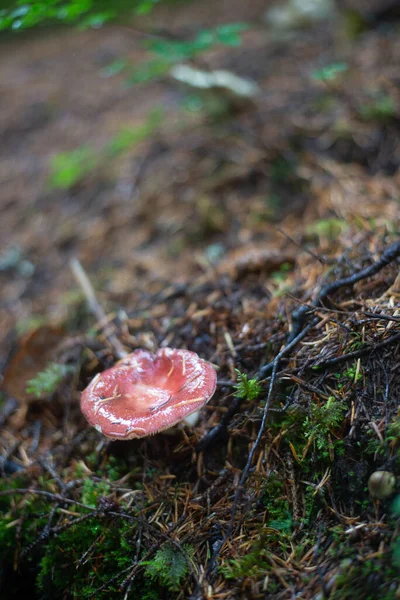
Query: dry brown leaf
(35, 351)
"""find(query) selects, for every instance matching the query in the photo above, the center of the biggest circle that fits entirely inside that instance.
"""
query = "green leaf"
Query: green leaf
(330, 72)
(68, 168)
(382, 108)
(127, 138)
(229, 34)
(25, 15)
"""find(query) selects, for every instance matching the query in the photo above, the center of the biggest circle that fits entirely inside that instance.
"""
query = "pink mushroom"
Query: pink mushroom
(145, 393)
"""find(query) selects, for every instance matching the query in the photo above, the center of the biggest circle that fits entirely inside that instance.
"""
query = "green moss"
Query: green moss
(390, 445)
(352, 374)
(20, 529)
(92, 491)
(368, 580)
(85, 557)
(275, 500)
(253, 564)
(323, 420)
(316, 428)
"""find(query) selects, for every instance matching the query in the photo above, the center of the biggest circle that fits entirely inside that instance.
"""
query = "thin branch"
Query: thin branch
(291, 344)
(288, 237)
(246, 470)
(94, 305)
(256, 444)
(301, 314)
(219, 430)
(381, 316)
(50, 495)
(274, 368)
(356, 354)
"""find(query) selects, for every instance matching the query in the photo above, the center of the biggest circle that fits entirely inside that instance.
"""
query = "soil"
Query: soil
(207, 235)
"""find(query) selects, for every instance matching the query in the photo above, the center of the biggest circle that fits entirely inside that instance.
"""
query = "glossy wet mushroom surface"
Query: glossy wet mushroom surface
(145, 393)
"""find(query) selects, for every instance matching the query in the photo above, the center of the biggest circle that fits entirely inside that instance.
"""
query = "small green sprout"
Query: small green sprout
(283, 524)
(246, 388)
(381, 107)
(353, 374)
(46, 382)
(67, 169)
(168, 52)
(329, 73)
(328, 229)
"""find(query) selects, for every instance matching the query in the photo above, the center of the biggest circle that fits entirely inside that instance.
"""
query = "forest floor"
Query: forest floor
(206, 225)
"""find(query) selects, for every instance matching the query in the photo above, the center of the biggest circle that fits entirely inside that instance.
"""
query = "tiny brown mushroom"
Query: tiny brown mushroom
(145, 393)
(381, 484)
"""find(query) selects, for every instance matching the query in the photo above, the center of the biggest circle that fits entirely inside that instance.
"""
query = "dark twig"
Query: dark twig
(356, 354)
(84, 558)
(274, 367)
(301, 314)
(50, 495)
(43, 535)
(289, 346)
(47, 466)
(382, 316)
(219, 430)
(246, 470)
(8, 407)
(288, 237)
(256, 444)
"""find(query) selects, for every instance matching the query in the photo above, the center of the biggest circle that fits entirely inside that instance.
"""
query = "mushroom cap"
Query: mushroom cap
(381, 484)
(145, 393)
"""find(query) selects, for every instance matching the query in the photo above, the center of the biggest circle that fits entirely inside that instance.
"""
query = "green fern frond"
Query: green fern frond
(247, 388)
(46, 382)
(169, 566)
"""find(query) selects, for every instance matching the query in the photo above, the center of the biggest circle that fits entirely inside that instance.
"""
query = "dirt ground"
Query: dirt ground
(207, 235)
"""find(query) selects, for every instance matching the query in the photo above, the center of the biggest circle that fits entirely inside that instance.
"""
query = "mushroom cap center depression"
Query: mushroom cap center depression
(139, 397)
